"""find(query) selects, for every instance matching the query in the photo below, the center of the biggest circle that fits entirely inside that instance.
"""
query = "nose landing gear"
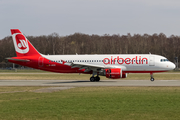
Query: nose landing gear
(152, 78)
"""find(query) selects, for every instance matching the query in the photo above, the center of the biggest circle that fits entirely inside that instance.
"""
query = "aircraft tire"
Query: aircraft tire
(152, 79)
(97, 78)
(92, 79)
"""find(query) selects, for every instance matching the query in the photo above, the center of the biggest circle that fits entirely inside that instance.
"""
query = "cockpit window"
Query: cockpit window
(164, 60)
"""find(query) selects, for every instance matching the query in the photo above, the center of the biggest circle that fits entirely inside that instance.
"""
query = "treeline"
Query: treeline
(94, 44)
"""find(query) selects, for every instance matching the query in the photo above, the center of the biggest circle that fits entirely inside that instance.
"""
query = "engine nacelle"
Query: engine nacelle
(114, 73)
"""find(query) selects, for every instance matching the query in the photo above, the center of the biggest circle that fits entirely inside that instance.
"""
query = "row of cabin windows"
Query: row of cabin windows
(97, 61)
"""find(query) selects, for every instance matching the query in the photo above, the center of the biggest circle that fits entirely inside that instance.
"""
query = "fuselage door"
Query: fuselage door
(151, 61)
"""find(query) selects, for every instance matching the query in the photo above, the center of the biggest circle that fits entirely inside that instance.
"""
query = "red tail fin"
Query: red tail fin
(22, 46)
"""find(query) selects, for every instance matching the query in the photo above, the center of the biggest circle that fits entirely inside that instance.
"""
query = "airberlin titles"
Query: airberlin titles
(135, 60)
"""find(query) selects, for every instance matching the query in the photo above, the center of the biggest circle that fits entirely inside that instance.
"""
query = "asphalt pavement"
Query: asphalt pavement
(86, 83)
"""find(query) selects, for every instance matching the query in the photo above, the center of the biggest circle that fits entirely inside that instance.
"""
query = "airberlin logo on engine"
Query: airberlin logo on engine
(21, 43)
(135, 60)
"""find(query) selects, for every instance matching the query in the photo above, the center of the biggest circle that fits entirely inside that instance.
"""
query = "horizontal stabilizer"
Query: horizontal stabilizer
(20, 60)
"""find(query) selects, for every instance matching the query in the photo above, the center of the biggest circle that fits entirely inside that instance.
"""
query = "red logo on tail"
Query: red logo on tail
(21, 43)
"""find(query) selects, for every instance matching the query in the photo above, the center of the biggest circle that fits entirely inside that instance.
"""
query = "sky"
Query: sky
(65, 17)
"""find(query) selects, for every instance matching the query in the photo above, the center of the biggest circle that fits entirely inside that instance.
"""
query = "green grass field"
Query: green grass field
(22, 71)
(40, 75)
(91, 103)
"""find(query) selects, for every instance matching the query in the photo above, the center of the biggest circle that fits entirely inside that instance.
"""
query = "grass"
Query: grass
(22, 71)
(86, 103)
(19, 89)
(40, 71)
(56, 76)
(32, 74)
(47, 76)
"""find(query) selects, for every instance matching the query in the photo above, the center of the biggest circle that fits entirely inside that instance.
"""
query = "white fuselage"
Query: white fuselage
(128, 62)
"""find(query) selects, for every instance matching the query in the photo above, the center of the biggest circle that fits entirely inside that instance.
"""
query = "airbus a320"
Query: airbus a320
(114, 66)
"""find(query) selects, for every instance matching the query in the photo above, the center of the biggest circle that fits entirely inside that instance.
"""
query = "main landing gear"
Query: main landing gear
(152, 79)
(93, 79)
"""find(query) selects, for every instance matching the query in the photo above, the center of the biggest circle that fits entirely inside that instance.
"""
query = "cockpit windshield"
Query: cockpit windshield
(164, 60)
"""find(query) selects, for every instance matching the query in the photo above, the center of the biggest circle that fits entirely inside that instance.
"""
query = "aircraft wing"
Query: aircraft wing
(89, 67)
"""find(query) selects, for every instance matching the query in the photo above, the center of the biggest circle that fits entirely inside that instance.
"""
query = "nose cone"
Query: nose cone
(172, 66)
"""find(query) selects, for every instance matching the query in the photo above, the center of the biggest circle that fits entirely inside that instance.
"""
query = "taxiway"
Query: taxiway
(86, 83)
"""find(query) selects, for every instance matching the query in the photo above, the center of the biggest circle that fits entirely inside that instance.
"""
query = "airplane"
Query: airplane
(114, 66)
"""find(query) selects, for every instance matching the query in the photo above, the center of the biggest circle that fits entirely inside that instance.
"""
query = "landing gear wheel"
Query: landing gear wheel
(97, 78)
(92, 79)
(152, 79)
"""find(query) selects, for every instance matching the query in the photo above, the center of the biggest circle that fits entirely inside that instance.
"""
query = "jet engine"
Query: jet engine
(115, 73)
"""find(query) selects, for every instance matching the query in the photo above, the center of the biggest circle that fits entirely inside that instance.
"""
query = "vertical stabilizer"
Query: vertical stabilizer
(22, 46)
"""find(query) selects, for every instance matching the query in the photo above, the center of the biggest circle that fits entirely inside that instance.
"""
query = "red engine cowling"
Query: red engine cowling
(115, 73)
